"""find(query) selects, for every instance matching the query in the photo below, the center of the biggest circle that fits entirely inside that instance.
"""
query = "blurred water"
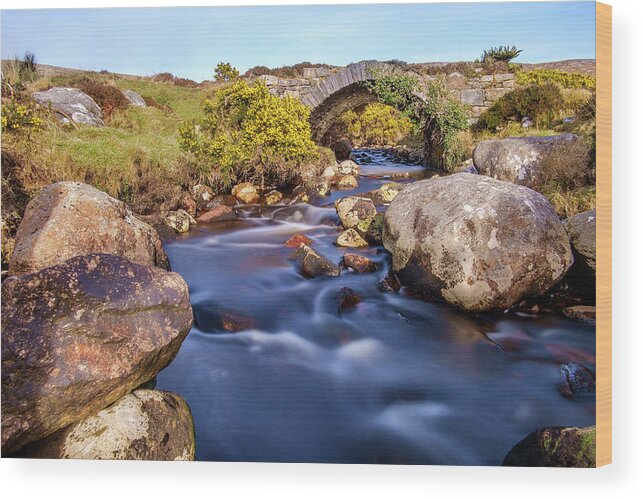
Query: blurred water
(396, 380)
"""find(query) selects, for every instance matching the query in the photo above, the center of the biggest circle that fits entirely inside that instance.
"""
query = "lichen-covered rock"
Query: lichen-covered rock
(202, 195)
(555, 447)
(582, 234)
(348, 167)
(179, 220)
(353, 210)
(350, 238)
(323, 187)
(358, 263)
(219, 213)
(246, 193)
(476, 242)
(134, 99)
(385, 194)
(78, 336)
(312, 264)
(68, 219)
(273, 197)
(516, 159)
(330, 172)
(149, 425)
(346, 182)
(71, 103)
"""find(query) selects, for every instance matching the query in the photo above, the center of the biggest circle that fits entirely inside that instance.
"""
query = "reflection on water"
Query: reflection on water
(395, 380)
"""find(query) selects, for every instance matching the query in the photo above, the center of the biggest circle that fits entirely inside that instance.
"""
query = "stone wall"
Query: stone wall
(324, 89)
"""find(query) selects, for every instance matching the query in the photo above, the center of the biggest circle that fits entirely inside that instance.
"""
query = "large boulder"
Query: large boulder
(516, 159)
(68, 219)
(147, 425)
(71, 104)
(582, 234)
(78, 336)
(555, 447)
(134, 99)
(474, 241)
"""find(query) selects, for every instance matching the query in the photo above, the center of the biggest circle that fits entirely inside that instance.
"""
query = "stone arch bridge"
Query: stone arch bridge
(331, 92)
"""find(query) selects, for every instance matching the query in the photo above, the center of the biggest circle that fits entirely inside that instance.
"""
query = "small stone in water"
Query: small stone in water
(583, 313)
(347, 299)
(351, 239)
(347, 182)
(358, 263)
(273, 197)
(217, 214)
(576, 378)
(234, 322)
(312, 264)
(297, 240)
(390, 284)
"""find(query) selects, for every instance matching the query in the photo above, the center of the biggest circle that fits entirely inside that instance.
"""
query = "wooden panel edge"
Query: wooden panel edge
(603, 234)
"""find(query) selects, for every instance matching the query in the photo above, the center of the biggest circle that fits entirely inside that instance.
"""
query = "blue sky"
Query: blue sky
(190, 41)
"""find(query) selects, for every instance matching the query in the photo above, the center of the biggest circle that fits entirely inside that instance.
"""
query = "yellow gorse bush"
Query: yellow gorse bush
(248, 133)
(16, 116)
(563, 78)
(378, 125)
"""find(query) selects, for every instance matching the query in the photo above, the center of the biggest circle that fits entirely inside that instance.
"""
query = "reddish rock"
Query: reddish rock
(78, 336)
(347, 299)
(222, 199)
(246, 193)
(69, 219)
(390, 284)
(297, 240)
(234, 322)
(219, 213)
(188, 204)
(358, 263)
(202, 195)
(583, 313)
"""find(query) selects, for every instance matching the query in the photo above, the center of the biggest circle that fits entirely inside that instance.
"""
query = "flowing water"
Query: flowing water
(395, 380)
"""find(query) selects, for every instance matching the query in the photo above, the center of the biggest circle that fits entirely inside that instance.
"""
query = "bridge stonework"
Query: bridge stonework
(329, 93)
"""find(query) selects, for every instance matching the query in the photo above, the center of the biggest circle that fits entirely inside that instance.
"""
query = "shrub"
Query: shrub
(224, 72)
(17, 116)
(108, 97)
(293, 71)
(542, 103)
(562, 78)
(444, 117)
(248, 133)
(394, 88)
(503, 53)
(377, 125)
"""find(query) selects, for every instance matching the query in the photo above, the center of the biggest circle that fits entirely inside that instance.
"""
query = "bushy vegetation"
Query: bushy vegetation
(293, 71)
(396, 89)
(249, 134)
(109, 98)
(225, 72)
(564, 79)
(376, 126)
(18, 116)
(444, 119)
(503, 53)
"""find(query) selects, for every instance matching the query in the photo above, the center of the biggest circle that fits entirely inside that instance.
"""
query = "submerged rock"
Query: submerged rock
(583, 313)
(389, 284)
(149, 425)
(68, 219)
(347, 299)
(219, 213)
(312, 264)
(358, 263)
(246, 193)
(350, 238)
(71, 104)
(516, 159)
(576, 378)
(555, 447)
(78, 336)
(353, 210)
(476, 242)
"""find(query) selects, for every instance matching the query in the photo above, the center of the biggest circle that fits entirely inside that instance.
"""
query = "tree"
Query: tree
(225, 72)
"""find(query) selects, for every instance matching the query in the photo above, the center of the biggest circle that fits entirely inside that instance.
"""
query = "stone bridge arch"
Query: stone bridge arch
(329, 93)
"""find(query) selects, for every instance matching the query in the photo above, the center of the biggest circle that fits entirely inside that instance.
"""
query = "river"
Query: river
(395, 380)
